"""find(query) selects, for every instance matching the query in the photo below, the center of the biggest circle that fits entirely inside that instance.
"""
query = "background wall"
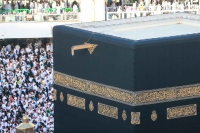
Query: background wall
(28, 30)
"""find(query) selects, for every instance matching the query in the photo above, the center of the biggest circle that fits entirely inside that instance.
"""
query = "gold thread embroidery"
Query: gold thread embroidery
(124, 116)
(54, 94)
(107, 110)
(76, 101)
(61, 96)
(154, 115)
(91, 106)
(135, 118)
(127, 97)
(182, 111)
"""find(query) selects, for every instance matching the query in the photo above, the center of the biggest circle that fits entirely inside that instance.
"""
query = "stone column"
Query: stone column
(51, 42)
(86, 13)
(199, 6)
(0, 18)
(92, 10)
(99, 10)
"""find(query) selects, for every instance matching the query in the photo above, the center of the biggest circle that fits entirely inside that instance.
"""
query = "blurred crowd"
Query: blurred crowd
(152, 5)
(35, 7)
(26, 86)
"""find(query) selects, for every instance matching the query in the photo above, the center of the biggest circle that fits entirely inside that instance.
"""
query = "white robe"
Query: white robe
(173, 6)
(16, 6)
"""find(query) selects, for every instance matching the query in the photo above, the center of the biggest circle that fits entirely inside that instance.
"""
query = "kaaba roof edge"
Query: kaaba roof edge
(142, 28)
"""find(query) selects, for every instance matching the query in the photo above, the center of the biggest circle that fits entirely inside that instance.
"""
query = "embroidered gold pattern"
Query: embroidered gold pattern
(76, 101)
(61, 96)
(124, 116)
(91, 106)
(135, 118)
(182, 111)
(154, 115)
(54, 94)
(107, 110)
(124, 96)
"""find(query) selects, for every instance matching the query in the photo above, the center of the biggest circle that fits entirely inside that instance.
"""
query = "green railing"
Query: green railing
(47, 10)
(50, 10)
(21, 10)
(3, 11)
(67, 9)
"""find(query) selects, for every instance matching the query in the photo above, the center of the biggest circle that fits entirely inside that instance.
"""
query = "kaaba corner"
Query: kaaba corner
(137, 75)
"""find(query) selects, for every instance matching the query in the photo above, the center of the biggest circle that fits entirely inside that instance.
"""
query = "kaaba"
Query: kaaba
(136, 75)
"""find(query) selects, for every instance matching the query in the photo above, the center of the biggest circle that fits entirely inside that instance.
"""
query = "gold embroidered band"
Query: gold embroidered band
(124, 96)
(182, 111)
(107, 110)
(76, 101)
(135, 118)
(54, 94)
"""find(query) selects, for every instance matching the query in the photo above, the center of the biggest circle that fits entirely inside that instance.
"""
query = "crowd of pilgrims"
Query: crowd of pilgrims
(153, 5)
(26, 87)
(41, 6)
